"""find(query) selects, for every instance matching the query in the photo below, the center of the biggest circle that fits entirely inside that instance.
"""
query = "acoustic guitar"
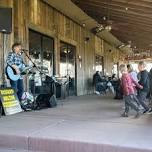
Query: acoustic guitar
(12, 75)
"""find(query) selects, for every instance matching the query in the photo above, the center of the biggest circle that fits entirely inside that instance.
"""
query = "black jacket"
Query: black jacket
(150, 80)
(144, 81)
(96, 78)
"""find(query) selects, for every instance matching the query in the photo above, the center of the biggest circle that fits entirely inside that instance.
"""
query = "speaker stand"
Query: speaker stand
(4, 83)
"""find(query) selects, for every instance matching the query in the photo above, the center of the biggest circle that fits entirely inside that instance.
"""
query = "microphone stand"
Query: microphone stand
(35, 105)
(24, 51)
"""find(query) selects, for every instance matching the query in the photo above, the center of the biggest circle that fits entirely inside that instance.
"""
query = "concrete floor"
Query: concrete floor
(81, 124)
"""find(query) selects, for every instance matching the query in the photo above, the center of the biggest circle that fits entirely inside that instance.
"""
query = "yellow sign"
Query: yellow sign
(9, 101)
(8, 97)
(7, 92)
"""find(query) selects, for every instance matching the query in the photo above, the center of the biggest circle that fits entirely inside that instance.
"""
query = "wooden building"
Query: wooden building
(63, 44)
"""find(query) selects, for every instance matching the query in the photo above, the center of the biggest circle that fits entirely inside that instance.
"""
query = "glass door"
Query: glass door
(67, 66)
(41, 50)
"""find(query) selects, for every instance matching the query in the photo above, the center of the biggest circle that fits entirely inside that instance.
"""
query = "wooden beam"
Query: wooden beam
(120, 5)
(133, 13)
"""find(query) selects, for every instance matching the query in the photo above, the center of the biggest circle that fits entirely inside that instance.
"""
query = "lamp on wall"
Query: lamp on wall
(121, 46)
(80, 60)
(84, 25)
(86, 39)
(108, 28)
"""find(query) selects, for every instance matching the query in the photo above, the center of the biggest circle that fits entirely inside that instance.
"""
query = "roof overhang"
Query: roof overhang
(75, 13)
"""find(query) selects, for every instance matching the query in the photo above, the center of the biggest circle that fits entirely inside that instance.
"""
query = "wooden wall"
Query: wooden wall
(46, 19)
(111, 57)
(39, 16)
(99, 46)
(8, 40)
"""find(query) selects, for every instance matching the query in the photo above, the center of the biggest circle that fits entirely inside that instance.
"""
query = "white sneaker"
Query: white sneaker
(150, 111)
(141, 108)
(97, 92)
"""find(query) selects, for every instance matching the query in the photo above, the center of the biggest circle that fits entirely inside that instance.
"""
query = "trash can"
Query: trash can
(61, 88)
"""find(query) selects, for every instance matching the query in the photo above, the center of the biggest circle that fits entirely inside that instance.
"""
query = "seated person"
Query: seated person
(118, 90)
(99, 83)
(114, 77)
(117, 87)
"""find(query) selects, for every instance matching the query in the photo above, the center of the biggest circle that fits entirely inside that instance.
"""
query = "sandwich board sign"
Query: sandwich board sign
(9, 100)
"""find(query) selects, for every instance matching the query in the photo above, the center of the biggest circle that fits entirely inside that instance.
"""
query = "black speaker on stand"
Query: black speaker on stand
(5, 28)
(46, 101)
(6, 20)
(45, 96)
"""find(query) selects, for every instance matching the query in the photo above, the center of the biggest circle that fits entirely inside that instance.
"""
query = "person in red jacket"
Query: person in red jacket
(128, 83)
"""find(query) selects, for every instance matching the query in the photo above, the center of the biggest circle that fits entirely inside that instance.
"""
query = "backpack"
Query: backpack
(27, 101)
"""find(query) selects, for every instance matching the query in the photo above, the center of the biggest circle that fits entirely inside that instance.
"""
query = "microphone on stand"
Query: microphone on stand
(24, 50)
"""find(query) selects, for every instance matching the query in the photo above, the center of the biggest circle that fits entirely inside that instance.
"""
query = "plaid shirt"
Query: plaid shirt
(15, 59)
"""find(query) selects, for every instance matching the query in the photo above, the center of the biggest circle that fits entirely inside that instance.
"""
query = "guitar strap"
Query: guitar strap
(6, 72)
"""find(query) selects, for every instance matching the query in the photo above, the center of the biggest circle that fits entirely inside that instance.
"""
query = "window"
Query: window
(99, 63)
(115, 69)
(41, 51)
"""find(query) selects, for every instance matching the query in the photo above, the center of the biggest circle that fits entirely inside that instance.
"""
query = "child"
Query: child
(128, 90)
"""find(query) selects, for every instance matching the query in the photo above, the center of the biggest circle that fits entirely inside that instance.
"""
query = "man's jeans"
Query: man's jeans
(142, 99)
(18, 87)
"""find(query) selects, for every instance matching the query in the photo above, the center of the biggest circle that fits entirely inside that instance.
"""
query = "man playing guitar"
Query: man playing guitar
(15, 61)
